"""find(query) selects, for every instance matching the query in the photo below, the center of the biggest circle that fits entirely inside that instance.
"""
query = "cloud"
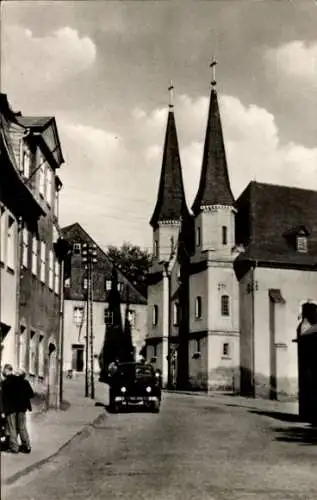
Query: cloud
(37, 63)
(295, 59)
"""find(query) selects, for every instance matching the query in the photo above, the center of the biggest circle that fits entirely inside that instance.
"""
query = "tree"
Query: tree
(133, 262)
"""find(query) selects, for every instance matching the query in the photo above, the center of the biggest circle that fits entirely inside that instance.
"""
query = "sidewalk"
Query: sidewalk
(258, 404)
(52, 430)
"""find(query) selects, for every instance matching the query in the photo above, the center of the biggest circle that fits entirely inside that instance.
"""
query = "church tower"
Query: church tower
(214, 301)
(170, 222)
(213, 206)
(171, 205)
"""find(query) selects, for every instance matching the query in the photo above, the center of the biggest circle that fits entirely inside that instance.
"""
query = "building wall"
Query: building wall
(39, 295)
(75, 333)
(198, 286)
(296, 288)
(211, 223)
(198, 363)
(155, 297)
(164, 235)
(246, 335)
(8, 287)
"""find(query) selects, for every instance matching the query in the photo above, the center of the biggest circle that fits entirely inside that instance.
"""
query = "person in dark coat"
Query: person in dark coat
(16, 395)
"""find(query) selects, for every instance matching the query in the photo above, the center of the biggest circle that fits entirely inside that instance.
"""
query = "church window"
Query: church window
(198, 308)
(108, 285)
(155, 315)
(175, 314)
(224, 235)
(198, 237)
(156, 248)
(198, 345)
(225, 310)
(226, 349)
(301, 244)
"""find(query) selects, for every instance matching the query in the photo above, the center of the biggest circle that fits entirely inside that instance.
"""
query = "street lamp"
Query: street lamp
(89, 258)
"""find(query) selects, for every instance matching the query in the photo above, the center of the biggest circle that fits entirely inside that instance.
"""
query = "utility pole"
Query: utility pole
(89, 256)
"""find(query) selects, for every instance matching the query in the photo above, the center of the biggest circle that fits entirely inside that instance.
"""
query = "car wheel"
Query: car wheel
(156, 406)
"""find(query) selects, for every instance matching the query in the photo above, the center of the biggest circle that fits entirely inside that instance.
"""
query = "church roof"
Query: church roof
(214, 186)
(268, 219)
(171, 204)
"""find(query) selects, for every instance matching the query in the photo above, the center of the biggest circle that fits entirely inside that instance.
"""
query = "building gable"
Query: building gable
(76, 235)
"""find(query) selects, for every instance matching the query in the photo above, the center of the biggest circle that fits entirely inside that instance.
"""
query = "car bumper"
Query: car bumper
(135, 399)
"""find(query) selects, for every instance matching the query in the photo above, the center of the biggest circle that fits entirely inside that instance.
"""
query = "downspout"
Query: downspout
(252, 328)
(18, 293)
(61, 333)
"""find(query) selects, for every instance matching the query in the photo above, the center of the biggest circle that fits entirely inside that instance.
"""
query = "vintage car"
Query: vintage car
(135, 384)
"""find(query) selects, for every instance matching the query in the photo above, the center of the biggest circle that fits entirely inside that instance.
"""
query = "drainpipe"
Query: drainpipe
(18, 291)
(252, 323)
(61, 332)
(166, 325)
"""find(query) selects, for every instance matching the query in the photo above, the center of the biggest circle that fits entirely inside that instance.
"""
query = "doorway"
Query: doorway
(78, 357)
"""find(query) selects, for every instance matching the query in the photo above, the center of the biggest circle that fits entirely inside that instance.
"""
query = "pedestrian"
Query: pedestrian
(17, 393)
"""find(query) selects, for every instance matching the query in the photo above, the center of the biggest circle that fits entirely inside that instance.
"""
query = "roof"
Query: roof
(75, 233)
(269, 217)
(214, 186)
(171, 203)
(35, 122)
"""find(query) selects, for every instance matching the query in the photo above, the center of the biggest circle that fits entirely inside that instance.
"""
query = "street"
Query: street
(198, 447)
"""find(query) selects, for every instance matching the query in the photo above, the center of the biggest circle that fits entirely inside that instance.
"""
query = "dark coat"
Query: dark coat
(16, 395)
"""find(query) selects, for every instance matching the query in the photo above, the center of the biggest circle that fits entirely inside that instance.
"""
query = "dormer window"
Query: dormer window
(301, 243)
(297, 237)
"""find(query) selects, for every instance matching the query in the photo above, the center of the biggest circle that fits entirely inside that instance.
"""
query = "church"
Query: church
(231, 278)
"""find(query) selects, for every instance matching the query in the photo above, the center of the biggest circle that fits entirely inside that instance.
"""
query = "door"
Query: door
(77, 358)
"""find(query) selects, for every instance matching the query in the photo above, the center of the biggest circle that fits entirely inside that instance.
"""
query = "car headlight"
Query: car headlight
(148, 389)
(123, 389)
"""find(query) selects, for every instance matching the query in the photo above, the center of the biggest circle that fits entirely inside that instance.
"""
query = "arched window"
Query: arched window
(224, 235)
(155, 315)
(175, 314)
(225, 307)
(198, 307)
(156, 249)
(226, 349)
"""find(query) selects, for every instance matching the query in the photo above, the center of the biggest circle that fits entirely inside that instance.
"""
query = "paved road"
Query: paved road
(196, 448)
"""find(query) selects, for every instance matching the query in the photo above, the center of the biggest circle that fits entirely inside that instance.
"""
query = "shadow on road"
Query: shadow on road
(99, 404)
(303, 435)
(128, 409)
(284, 417)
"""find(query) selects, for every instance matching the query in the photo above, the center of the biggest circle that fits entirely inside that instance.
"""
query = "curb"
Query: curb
(248, 403)
(84, 431)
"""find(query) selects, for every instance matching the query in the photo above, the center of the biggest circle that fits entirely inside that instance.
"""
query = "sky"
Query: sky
(103, 68)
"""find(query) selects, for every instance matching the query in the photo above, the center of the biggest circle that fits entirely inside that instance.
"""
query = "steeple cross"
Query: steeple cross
(171, 93)
(213, 67)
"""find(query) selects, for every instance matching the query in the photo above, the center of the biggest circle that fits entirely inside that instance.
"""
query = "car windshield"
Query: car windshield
(131, 370)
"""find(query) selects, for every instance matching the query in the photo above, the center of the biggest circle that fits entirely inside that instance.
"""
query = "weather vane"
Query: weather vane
(213, 67)
(171, 92)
